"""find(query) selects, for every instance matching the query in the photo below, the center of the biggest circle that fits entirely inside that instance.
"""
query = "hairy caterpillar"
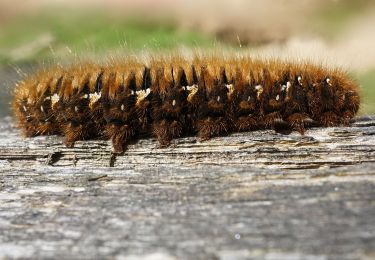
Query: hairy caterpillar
(172, 97)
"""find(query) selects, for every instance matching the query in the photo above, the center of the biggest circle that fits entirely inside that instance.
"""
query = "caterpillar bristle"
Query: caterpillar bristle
(169, 97)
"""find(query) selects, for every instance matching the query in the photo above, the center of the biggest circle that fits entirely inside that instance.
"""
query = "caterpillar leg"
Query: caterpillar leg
(175, 129)
(210, 127)
(165, 131)
(298, 121)
(161, 132)
(119, 135)
(346, 117)
(329, 119)
(30, 129)
(73, 132)
(47, 128)
(273, 120)
(246, 123)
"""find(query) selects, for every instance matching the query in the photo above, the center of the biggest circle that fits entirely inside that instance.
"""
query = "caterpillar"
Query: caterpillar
(170, 97)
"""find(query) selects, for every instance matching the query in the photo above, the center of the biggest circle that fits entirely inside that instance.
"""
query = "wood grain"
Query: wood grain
(257, 195)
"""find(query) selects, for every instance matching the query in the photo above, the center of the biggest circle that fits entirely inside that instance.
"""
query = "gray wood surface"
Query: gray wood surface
(255, 195)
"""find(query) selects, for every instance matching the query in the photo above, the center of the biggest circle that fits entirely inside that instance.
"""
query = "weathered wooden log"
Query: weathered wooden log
(320, 147)
(258, 195)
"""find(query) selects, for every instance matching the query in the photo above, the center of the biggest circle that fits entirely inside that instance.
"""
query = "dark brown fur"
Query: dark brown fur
(169, 98)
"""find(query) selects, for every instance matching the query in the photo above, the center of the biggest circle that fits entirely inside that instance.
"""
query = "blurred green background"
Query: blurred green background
(340, 33)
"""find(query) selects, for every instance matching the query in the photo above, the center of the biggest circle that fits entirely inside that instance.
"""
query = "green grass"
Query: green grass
(92, 33)
(367, 81)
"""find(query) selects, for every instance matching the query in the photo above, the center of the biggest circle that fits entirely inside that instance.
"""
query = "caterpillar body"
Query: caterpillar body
(172, 97)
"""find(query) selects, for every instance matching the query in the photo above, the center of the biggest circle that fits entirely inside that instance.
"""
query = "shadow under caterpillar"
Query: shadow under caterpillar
(172, 97)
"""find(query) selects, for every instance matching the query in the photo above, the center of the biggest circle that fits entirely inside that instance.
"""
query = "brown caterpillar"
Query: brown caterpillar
(172, 97)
